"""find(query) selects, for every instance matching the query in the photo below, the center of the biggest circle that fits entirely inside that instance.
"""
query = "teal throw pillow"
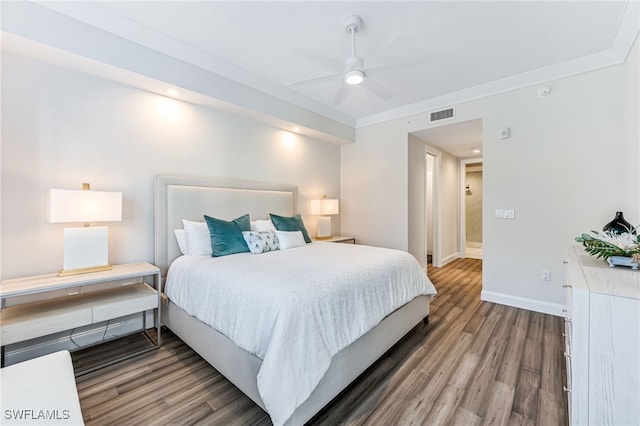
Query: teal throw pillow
(293, 223)
(226, 237)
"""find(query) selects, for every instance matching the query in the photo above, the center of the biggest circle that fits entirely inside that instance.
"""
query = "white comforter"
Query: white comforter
(295, 308)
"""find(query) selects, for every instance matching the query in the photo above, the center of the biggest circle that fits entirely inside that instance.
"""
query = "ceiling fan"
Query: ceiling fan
(354, 71)
(354, 66)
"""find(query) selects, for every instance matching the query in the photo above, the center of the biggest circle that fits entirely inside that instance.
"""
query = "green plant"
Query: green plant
(605, 244)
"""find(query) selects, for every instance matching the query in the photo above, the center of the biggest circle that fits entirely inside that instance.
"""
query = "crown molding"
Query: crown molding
(223, 85)
(626, 35)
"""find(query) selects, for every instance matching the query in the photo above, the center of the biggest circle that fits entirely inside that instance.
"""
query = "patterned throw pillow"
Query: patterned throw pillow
(261, 242)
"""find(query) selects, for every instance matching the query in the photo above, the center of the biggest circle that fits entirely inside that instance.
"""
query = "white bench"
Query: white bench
(40, 391)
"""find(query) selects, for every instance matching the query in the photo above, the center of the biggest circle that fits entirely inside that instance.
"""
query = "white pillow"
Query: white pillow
(181, 238)
(262, 225)
(290, 239)
(198, 238)
(261, 242)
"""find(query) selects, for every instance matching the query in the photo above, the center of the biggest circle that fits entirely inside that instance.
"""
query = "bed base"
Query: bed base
(241, 367)
(180, 197)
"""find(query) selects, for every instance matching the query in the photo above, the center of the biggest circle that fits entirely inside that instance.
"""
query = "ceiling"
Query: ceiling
(417, 54)
(461, 139)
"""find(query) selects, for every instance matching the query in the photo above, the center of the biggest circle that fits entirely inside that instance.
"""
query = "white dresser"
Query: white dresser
(602, 337)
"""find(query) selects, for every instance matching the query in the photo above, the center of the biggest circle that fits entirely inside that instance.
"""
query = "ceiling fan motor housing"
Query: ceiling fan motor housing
(353, 63)
(352, 23)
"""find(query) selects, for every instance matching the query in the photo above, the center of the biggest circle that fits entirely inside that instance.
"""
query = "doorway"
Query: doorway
(429, 206)
(424, 198)
(451, 145)
(471, 208)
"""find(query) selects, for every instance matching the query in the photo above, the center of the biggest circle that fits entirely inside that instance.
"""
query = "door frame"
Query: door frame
(462, 232)
(436, 254)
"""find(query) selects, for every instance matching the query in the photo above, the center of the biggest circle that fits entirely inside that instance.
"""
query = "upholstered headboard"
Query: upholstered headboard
(180, 197)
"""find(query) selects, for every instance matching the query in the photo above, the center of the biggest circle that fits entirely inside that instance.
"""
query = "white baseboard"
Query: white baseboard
(450, 258)
(70, 340)
(523, 303)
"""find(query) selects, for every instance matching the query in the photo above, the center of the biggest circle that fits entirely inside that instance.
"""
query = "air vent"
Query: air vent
(441, 115)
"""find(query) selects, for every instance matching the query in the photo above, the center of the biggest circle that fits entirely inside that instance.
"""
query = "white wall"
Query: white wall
(374, 194)
(631, 126)
(564, 171)
(430, 204)
(449, 206)
(61, 128)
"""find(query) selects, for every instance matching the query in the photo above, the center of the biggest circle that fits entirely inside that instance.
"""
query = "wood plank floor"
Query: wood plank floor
(475, 363)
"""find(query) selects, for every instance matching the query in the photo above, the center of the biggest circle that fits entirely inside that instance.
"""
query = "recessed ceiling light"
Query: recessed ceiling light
(172, 92)
(475, 150)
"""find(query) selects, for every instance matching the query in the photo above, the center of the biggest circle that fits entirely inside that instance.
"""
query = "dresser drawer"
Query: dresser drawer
(568, 388)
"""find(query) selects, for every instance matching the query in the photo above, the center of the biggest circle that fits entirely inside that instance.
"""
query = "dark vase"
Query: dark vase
(619, 225)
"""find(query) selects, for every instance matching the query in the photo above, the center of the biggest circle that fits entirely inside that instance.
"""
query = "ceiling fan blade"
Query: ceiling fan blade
(371, 85)
(379, 46)
(341, 94)
(329, 69)
(319, 59)
(425, 64)
(317, 80)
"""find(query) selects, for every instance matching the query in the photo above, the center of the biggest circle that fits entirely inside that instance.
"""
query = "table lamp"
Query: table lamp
(324, 208)
(86, 249)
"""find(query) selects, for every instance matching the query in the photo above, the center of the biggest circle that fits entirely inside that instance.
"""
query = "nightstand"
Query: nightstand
(83, 304)
(339, 239)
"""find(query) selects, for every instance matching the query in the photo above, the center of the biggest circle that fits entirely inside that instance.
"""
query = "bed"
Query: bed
(311, 381)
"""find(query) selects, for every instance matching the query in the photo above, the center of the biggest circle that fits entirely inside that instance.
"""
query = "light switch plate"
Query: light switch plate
(505, 214)
(505, 133)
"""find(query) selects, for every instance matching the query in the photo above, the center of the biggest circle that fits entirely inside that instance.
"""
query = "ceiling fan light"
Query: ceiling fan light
(354, 77)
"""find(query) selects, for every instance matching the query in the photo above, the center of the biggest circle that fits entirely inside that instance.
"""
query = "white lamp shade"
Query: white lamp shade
(325, 206)
(65, 206)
